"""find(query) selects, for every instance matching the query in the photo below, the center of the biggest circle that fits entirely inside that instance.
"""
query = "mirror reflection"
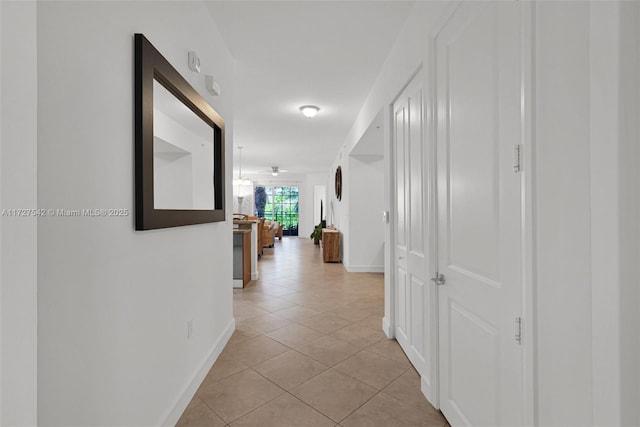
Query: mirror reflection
(182, 155)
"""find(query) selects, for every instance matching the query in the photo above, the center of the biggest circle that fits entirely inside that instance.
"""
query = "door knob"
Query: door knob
(439, 279)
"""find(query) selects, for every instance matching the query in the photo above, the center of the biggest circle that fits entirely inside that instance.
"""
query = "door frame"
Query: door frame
(427, 71)
(422, 72)
(528, 198)
(389, 323)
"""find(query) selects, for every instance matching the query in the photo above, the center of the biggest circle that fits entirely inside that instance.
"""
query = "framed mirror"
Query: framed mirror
(338, 183)
(179, 147)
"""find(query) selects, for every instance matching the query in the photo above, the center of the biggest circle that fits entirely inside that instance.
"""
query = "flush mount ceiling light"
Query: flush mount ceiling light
(309, 110)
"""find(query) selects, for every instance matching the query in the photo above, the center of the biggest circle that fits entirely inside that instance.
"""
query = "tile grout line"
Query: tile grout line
(363, 403)
(262, 404)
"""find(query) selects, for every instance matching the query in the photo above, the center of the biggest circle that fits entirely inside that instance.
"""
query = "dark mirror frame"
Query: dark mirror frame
(150, 65)
(338, 183)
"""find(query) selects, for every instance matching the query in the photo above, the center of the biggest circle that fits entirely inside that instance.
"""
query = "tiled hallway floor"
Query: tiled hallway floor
(308, 350)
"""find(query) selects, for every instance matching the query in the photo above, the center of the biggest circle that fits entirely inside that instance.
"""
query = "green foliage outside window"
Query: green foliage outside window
(282, 206)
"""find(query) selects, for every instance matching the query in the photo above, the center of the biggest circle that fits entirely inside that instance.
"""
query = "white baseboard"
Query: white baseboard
(191, 389)
(254, 276)
(237, 283)
(364, 268)
(386, 328)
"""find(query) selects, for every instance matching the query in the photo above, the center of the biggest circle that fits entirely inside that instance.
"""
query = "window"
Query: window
(279, 204)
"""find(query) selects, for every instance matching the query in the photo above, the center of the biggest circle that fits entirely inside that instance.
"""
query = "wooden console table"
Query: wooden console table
(256, 241)
(330, 245)
(241, 258)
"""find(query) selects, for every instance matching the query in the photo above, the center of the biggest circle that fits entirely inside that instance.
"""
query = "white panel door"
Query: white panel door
(411, 274)
(478, 84)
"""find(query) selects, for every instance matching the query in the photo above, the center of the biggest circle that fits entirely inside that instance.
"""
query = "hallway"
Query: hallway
(308, 350)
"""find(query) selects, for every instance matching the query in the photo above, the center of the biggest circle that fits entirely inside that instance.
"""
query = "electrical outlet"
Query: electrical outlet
(189, 328)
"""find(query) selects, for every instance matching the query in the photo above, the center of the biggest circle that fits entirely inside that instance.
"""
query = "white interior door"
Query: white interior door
(478, 84)
(412, 291)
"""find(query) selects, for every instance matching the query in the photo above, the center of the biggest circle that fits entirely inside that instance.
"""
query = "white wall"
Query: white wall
(615, 236)
(18, 234)
(562, 214)
(114, 303)
(366, 203)
(307, 212)
(338, 210)
(319, 203)
(358, 215)
(363, 175)
(248, 204)
(631, 212)
(587, 211)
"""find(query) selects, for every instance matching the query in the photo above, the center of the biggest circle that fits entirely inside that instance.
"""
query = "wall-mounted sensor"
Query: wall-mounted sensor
(385, 217)
(212, 86)
(194, 61)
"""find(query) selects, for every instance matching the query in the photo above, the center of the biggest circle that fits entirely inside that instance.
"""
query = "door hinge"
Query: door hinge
(516, 158)
(518, 330)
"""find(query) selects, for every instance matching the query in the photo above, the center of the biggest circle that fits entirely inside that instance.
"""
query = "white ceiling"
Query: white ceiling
(291, 53)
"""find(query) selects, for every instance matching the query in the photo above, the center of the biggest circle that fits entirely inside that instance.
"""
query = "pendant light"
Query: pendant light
(241, 187)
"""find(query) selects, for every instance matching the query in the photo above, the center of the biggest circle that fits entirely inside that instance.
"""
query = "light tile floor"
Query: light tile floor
(308, 350)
